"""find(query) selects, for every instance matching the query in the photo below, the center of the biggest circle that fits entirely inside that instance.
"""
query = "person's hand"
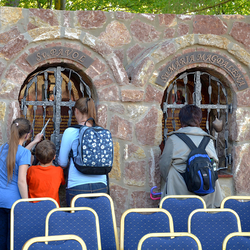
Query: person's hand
(38, 138)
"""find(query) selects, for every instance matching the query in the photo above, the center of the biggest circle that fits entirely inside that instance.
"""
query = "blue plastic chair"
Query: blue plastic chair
(28, 220)
(211, 226)
(184, 241)
(137, 222)
(180, 207)
(104, 207)
(237, 241)
(241, 205)
(64, 242)
(80, 221)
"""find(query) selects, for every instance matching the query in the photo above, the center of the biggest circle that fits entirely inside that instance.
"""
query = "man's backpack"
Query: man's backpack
(94, 151)
(200, 175)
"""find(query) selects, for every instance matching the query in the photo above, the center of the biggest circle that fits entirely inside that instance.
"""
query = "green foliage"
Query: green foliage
(205, 7)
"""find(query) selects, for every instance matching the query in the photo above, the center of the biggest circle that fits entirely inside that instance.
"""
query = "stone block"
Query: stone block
(15, 75)
(9, 90)
(2, 111)
(23, 64)
(165, 50)
(109, 94)
(241, 33)
(117, 108)
(96, 68)
(120, 196)
(121, 128)
(241, 54)
(148, 131)
(183, 29)
(9, 16)
(154, 168)
(214, 40)
(135, 173)
(243, 98)
(142, 72)
(133, 151)
(102, 116)
(131, 95)
(141, 199)
(43, 17)
(13, 47)
(167, 19)
(45, 33)
(169, 33)
(103, 80)
(209, 25)
(241, 168)
(153, 94)
(136, 111)
(116, 34)
(91, 19)
(124, 15)
(116, 169)
(144, 32)
(5, 37)
(118, 70)
(133, 51)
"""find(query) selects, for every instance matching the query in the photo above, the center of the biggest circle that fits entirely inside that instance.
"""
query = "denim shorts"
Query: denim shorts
(85, 189)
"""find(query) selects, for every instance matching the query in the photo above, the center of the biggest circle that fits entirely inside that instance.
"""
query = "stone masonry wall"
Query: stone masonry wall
(129, 51)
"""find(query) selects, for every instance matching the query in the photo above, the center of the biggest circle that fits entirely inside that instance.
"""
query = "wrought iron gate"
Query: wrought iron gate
(59, 75)
(217, 101)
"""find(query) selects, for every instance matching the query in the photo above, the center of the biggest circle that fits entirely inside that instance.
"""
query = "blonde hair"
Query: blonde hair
(86, 106)
(18, 129)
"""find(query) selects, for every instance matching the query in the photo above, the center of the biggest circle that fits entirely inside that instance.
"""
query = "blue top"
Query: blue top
(75, 177)
(10, 191)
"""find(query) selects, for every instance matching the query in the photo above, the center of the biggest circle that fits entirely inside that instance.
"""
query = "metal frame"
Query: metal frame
(12, 215)
(172, 235)
(142, 210)
(57, 103)
(197, 101)
(111, 205)
(72, 210)
(45, 239)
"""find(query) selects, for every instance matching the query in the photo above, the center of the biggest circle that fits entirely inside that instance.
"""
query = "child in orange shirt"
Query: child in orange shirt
(44, 180)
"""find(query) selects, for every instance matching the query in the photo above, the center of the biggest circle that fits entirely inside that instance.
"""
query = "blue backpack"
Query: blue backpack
(95, 150)
(200, 175)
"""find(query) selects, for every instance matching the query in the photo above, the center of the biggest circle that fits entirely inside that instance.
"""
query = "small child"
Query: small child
(44, 180)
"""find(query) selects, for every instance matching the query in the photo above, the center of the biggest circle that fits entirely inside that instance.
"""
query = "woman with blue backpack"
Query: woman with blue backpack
(73, 149)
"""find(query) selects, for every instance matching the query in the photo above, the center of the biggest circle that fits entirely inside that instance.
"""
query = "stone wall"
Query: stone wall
(129, 52)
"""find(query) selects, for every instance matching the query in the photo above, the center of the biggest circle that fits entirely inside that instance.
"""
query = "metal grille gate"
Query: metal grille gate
(212, 82)
(57, 103)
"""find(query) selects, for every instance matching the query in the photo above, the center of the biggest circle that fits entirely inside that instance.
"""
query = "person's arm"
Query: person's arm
(33, 143)
(166, 158)
(22, 181)
(65, 147)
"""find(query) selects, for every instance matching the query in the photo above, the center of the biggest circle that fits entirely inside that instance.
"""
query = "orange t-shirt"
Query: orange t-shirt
(45, 181)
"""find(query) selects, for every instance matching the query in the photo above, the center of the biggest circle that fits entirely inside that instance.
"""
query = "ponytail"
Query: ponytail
(86, 106)
(19, 128)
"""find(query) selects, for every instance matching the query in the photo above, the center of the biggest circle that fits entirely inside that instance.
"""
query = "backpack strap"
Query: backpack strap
(187, 140)
(204, 142)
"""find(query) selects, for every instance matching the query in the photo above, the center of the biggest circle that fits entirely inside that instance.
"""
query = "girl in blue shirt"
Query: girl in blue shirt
(14, 163)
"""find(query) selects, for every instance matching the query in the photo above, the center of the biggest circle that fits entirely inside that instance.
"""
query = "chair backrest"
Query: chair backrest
(137, 222)
(64, 242)
(104, 207)
(180, 207)
(236, 241)
(80, 221)
(211, 226)
(185, 241)
(28, 219)
(241, 205)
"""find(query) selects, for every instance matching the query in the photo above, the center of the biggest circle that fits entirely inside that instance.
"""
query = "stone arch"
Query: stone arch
(107, 71)
(146, 67)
